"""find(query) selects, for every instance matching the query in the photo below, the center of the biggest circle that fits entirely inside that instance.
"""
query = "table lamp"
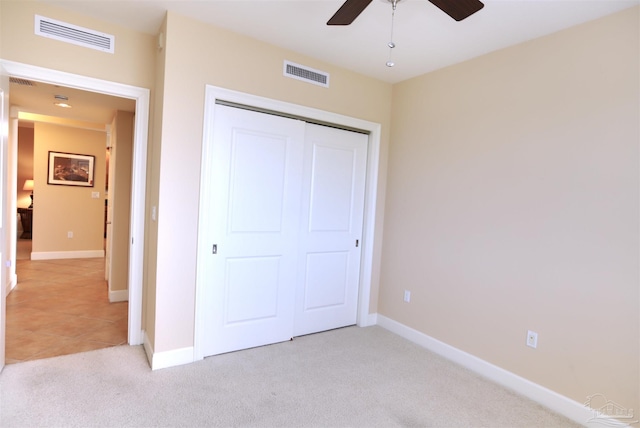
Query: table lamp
(28, 185)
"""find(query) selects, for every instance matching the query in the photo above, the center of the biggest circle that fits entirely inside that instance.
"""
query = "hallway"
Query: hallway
(61, 307)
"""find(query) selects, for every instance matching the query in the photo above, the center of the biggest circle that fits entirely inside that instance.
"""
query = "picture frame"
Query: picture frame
(71, 169)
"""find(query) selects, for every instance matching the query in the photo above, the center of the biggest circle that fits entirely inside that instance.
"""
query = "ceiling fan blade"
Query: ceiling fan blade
(458, 9)
(348, 12)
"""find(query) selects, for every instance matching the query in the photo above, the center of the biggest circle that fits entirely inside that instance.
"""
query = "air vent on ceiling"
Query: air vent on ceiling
(70, 33)
(23, 82)
(300, 72)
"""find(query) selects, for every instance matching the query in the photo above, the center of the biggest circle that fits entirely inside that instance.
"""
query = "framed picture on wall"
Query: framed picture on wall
(70, 169)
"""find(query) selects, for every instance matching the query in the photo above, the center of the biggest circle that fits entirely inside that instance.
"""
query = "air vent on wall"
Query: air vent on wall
(22, 82)
(47, 27)
(300, 72)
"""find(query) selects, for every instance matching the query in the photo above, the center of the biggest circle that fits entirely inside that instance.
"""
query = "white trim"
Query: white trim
(212, 94)
(139, 169)
(54, 255)
(11, 202)
(118, 296)
(4, 223)
(558, 403)
(175, 357)
(163, 360)
(13, 281)
(148, 348)
(371, 319)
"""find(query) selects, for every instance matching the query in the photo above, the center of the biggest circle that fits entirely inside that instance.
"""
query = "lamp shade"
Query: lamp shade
(28, 185)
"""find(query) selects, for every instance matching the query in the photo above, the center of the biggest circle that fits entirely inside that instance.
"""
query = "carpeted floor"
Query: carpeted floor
(351, 377)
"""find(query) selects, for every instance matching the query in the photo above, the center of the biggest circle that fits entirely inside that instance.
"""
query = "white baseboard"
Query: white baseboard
(163, 360)
(13, 281)
(54, 255)
(118, 296)
(558, 403)
(369, 320)
(148, 349)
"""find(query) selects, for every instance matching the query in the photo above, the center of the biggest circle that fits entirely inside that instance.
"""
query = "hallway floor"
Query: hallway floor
(61, 307)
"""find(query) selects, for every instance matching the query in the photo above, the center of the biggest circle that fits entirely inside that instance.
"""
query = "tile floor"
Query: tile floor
(61, 307)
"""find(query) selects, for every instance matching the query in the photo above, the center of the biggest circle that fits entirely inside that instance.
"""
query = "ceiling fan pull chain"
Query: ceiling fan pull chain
(391, 44)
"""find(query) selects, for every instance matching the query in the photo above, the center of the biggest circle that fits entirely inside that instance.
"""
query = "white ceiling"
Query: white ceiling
(86, 106)
(426, 38)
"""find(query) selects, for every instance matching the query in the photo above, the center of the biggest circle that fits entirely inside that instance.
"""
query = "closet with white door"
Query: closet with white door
(286, 215)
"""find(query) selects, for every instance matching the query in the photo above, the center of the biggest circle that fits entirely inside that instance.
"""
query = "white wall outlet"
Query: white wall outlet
(532, 339)
(154, 213)
(70, 234)
(407, 296)
(95, 195)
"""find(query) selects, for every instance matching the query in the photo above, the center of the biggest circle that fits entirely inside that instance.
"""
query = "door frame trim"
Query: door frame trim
(214, 94)
(4, 151)
(139, 168)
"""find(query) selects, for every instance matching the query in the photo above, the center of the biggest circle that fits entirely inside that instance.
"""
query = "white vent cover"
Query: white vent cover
(47, 27)
(300, 72)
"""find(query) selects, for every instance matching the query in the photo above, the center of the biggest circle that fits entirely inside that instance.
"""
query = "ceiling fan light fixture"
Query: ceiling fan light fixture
(391, 43)
(456, 9)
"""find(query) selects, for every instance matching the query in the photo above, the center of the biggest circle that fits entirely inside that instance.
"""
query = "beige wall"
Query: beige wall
(153, 171)
(59, 209)
(25, 164)
(120, 198)
(132, 62)
(513, 205)
(198, 54)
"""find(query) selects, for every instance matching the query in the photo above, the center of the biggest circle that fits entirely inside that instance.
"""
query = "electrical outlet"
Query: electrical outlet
(70, 234)
(407, 296)
(532, 339)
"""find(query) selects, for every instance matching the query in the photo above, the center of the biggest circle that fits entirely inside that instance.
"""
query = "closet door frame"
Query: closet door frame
(214, 95)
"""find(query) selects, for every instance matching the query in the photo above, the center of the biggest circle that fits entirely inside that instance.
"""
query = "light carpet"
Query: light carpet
(350, 377)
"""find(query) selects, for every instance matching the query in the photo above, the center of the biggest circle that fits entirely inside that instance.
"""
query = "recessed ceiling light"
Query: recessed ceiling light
(61, 101)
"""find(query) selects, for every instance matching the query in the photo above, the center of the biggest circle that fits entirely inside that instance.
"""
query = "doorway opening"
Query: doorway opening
(140, 97)
(63, 301)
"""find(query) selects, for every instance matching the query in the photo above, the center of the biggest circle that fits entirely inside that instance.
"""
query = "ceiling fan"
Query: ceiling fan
(457, 9)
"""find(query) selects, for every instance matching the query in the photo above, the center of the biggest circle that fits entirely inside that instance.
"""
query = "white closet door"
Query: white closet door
(331, 229)
(256, 181)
